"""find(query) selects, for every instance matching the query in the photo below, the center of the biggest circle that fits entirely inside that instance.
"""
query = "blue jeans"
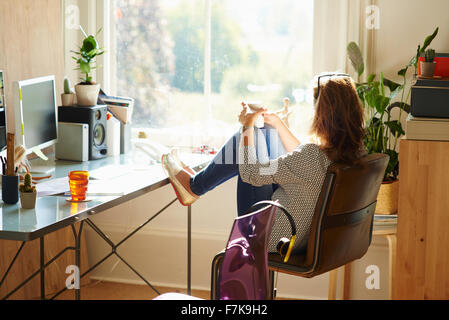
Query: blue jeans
(225, 166)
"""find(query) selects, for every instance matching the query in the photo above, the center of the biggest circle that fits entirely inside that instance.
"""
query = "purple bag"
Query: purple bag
(244, 270)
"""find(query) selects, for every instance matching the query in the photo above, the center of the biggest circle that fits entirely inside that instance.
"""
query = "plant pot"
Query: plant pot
(387, 199)
(87, 94)
(67, 99)
(10, 189)
(428, 68)
(28, 200)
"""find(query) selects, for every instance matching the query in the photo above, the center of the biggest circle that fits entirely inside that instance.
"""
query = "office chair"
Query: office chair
(244, 264)
(342, 224)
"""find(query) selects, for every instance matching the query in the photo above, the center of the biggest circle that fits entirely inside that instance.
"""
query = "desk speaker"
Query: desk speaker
(95, 117)
(73, 141)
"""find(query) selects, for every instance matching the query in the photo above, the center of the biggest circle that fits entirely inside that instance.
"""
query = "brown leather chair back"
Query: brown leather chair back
(341, 228)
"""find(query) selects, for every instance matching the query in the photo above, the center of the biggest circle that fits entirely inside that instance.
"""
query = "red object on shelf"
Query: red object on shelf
(442, 65)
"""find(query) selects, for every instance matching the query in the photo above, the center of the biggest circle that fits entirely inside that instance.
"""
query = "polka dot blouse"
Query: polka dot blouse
(300, 176)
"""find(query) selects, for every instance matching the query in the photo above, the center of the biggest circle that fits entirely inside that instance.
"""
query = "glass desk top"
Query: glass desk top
(55, 212)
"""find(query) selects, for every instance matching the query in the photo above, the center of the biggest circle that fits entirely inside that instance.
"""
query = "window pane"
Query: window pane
(259, 50)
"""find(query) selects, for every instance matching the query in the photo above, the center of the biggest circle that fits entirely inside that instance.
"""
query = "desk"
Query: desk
(388, 231)
(54, 212)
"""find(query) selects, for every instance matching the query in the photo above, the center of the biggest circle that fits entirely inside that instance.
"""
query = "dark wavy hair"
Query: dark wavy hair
(338, 121)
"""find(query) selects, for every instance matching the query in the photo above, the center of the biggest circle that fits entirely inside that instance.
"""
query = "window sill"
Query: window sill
(188, 136)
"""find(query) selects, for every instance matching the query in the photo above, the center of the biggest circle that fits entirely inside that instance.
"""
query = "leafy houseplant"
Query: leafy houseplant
(382, 131)
(428, 66)
(68, 96)
(27, 193)
(87, 90)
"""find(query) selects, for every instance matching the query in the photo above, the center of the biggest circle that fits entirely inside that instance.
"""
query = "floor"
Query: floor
(101, 290)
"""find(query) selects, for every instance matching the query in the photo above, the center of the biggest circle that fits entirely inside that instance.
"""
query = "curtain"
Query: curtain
(338, 22)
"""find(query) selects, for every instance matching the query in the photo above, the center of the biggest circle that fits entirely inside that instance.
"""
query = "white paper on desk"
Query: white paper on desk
(110, 172)
(52, 187)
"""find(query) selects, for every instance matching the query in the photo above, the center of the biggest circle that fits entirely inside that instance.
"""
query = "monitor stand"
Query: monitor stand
(43, 170)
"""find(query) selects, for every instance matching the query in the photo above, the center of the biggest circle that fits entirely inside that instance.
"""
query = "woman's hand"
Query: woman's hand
(248, 120)
(272, 119)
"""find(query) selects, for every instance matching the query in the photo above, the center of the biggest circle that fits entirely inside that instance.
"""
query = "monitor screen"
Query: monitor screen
(39, 113)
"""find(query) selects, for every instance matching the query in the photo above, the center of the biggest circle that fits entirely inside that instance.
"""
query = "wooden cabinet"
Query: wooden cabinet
(422, 264)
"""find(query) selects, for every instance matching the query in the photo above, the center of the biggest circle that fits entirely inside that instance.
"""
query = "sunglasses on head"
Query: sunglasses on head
(329, 75)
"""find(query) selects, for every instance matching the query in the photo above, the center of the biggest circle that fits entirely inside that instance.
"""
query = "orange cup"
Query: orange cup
(78, 181)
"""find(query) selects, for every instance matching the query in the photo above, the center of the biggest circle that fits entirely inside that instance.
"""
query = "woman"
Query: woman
(271, 163)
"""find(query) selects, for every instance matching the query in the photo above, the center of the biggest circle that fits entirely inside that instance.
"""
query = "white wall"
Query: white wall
(403, 25)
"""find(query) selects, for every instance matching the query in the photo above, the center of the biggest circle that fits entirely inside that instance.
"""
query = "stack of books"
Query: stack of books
(436, 129)
(121, 107)
(429, 118)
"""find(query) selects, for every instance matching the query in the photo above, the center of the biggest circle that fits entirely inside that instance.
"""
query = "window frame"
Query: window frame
(99, 14)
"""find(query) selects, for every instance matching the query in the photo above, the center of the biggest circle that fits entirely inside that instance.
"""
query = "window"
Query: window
(189, 63)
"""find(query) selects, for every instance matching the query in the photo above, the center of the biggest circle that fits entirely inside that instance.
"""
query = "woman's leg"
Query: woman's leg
(247, 194)
(224, 166)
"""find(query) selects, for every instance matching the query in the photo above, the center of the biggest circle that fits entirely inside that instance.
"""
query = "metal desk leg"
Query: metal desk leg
(189, 250)
(42, 268)
(78, 261)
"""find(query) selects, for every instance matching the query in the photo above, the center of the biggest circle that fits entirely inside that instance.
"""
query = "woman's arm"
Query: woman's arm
(248, 120)
(251, 171)
(300, 164)
(289, 141)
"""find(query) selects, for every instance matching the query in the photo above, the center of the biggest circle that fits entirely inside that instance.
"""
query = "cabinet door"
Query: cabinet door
(422, 268)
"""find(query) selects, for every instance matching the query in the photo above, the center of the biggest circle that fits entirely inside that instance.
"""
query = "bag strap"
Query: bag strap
(278, 205)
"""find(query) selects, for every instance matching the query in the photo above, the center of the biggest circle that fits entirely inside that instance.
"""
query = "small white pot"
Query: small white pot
(87, 94)
(28, 200)
(67, 99)
(428, 69)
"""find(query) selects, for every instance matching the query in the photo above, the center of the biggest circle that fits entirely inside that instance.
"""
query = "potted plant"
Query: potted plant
(382, 131)
(27, 193)
(87, 91)
(428, 65)
(68, 96)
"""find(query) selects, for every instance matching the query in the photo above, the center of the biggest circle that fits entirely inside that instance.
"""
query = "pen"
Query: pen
(10, 154)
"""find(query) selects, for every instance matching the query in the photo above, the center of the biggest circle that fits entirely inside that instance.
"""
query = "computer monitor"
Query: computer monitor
(35, 123)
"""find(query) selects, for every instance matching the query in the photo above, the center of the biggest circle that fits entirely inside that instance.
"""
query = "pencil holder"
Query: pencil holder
(10, 189)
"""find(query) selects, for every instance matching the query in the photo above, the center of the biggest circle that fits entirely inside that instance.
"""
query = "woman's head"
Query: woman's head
(338, 121)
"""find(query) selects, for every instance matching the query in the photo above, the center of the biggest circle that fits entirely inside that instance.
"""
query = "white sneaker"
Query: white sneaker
(175, 154)
(172, 168)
